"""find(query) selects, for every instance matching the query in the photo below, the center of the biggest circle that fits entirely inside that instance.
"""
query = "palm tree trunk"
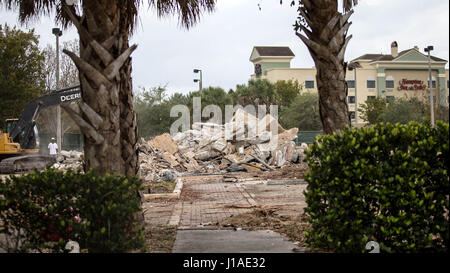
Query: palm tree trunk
(128, 124)
(105, 114)
(333, 92)
(326, 39)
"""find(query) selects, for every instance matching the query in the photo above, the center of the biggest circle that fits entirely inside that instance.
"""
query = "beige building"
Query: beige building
(397, 75)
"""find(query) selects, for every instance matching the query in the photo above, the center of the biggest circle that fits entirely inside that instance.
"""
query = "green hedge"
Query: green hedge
(387, 183)
(50, 208)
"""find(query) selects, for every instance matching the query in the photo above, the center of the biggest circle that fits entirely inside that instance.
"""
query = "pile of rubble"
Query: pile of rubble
(246, 143)
(212, 148)
(69, 160)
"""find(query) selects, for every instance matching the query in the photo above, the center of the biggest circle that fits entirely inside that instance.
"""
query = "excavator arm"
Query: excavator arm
(23, 134)
(23, 129)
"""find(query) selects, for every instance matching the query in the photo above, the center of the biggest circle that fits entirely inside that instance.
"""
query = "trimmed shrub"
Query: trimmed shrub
(42, 211)
(387, 183)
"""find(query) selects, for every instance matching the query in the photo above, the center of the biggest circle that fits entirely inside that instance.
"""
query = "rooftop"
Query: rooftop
(388, 57)
(274, 51)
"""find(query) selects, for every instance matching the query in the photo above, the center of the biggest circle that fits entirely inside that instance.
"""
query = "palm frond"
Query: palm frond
(29, 8)
(189, 11)
(348, 4)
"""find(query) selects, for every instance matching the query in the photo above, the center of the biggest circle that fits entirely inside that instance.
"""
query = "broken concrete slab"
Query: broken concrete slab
(164, 143)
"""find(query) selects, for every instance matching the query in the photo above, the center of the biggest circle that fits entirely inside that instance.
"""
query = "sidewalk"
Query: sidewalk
(206, 200)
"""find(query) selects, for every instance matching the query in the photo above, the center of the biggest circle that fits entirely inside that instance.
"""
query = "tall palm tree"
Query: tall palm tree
(323, 29)
(105, 113)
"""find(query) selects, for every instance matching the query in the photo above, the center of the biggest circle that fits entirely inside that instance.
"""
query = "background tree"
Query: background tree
(212, 96)
(303, 113)
(403, 111)
(68, 78)
(256, 92)
(287, 91)
(68, 70)
(21, 63)
(372, 109)
(400, 110)
(105, 114)
(323, 29)
(153, 111)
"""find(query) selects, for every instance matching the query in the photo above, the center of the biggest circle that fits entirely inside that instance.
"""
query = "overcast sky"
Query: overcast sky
(222, 42)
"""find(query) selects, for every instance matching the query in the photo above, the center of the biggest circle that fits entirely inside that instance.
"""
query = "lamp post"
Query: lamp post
(352, 67)
(428, 49)
(58, 33)
(200, 81)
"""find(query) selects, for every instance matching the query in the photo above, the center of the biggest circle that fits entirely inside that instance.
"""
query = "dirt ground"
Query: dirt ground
(160, 239)
(293, 227)
(159, 186)
(288, 172)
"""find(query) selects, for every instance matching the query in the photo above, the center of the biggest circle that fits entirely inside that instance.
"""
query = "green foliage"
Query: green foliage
(153, 110)
(386, 183)
(287, 92)
(50, 207)
(21, 64)
(400, 110)
(404, 111)
(256, 92)
(212, 96)
(153, 106)
(372, 110)
(303, 113)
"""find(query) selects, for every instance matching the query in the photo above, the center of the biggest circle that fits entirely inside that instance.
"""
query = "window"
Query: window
(309, 84)
(390, 82)
(351, 99)
(371, 97)
(352, 114)
(390, 98)
(433, 82)
(371, 82)
(351, 84)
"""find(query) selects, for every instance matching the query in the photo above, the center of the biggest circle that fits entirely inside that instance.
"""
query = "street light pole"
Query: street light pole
(200, 81)
(430, 83)
(58, 33)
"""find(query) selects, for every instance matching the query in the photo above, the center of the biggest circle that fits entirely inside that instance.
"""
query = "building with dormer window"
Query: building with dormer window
(401, 74)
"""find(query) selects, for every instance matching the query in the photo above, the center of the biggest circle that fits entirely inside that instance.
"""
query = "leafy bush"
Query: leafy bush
(387, 183)
(42, 211)
(403, 111)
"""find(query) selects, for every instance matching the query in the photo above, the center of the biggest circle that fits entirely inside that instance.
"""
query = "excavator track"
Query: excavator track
(25, 163)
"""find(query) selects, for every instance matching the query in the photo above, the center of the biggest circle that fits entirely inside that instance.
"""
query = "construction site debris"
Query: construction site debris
(69, 160)
(244, 144)
(235, 168)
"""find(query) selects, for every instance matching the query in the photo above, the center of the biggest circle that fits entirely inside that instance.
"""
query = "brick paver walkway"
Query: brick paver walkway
(207, 200)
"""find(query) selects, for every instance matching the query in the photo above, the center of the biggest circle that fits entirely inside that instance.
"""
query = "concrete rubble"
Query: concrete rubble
(241, 145)
(213, 148)
(69, 160)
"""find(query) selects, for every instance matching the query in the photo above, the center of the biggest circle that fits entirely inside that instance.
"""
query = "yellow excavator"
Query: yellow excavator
(19, 144)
